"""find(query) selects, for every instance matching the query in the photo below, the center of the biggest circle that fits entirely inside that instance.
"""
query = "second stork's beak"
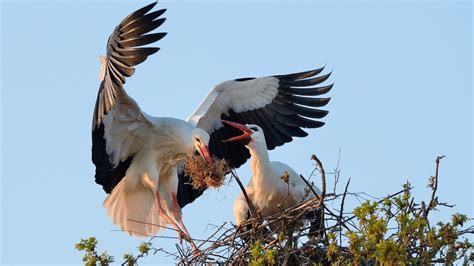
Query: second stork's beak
(247, 133)
(204, 152)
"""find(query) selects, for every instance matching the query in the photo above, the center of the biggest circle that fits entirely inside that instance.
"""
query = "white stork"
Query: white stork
(137, 156)
(266, 189)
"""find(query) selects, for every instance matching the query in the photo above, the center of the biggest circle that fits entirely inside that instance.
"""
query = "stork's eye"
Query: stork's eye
(198, 140)
(254, 128)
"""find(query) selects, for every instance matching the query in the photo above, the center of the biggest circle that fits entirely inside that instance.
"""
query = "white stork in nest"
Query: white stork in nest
(267, 190)
(137, 156)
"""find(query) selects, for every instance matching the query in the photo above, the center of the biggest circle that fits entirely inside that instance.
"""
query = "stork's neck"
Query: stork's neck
(260, 163)
(174, 136)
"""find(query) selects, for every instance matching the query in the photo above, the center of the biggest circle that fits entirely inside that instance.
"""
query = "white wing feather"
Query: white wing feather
(126, 129)
(239, 96)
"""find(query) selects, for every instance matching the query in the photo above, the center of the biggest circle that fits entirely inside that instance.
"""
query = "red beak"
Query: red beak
(204, 152)
(247, 133)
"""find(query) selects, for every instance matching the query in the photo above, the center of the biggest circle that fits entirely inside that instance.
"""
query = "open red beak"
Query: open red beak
(204, 152)
(247, 133)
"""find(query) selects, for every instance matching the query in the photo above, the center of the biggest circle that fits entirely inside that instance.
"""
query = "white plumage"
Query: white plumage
(151, 180)
(266, 189)
(240, 96)
(138, 156)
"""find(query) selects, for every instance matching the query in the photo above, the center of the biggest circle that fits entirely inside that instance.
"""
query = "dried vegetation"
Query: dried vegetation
(203, 174)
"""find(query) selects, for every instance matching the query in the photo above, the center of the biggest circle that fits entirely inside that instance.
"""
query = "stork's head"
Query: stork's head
(251, 134)
(200, 140)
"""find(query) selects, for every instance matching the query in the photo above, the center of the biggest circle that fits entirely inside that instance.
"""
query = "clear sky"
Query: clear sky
(402, 96)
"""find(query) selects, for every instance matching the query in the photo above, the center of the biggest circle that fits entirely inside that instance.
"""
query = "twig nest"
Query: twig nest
(203, 174)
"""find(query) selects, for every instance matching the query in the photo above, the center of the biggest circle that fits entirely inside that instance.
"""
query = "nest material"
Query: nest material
(204, 175)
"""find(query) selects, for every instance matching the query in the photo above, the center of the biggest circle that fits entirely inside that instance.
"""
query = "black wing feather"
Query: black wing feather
(123, 53)
(308, 91)
(186, 192)
(306, 82)
(281, 120)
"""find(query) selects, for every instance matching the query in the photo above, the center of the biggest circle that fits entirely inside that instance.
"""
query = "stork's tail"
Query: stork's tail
(136, 211)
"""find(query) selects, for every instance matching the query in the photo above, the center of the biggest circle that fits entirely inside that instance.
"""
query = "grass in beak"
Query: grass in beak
(204, 175)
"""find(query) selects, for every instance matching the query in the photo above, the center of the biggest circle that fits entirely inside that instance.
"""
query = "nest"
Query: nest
(204, 175)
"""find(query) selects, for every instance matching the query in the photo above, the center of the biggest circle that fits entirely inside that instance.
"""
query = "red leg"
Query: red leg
(165, 216)
(177, 216)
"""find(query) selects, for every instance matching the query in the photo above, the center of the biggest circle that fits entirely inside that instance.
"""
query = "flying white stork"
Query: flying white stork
(137, 156)
(266, 189)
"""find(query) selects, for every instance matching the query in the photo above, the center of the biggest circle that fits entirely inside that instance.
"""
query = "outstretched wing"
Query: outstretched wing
(282, 105)
(119, 127)
(123, 53)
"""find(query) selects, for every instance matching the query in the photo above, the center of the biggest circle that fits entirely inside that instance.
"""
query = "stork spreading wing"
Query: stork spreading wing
(277, 104)
(282, 105)
(119, 126)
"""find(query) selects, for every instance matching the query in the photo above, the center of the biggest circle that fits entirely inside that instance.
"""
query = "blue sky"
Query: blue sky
(402, 96)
